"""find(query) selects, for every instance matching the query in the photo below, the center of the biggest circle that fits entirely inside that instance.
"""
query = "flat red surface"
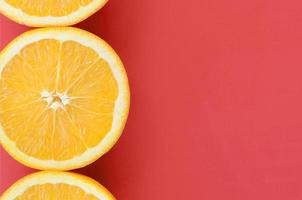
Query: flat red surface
(216, 100)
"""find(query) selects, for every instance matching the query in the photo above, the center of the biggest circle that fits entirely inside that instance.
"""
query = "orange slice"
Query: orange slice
(39, 13)
(56, 185)
(64, 98)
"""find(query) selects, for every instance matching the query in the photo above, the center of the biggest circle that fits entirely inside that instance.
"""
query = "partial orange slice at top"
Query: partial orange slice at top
(39, 13)
(64, 98)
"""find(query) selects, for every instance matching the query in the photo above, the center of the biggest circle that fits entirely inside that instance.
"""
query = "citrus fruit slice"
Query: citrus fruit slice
(48, 185)
(64, 98)
(39, 13)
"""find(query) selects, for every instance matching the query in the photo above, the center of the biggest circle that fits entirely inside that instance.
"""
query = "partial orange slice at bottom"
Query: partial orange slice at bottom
(57, 185)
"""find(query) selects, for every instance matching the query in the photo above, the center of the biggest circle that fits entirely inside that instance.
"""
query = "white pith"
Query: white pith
(50, 98)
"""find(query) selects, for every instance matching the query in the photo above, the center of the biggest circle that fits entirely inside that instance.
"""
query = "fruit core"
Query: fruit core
(55, 100)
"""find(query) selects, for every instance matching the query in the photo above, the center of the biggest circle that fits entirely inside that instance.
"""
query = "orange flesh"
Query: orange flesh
(56, 8)
(52, 130)
(58, 191)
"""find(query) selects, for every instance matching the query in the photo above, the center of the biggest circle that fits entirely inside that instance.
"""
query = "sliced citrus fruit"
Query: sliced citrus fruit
(39, 13)
(64, 98)
(48, 185)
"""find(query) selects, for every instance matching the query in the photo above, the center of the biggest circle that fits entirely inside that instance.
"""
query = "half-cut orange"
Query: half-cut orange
(56, 186)
(64, 98)
(39, 13)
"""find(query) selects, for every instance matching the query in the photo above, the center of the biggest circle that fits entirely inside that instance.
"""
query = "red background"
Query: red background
(216, 100)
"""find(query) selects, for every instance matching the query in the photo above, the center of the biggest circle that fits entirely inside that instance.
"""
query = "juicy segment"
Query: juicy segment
(61, 69)
(58, 191)
(56, 8)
